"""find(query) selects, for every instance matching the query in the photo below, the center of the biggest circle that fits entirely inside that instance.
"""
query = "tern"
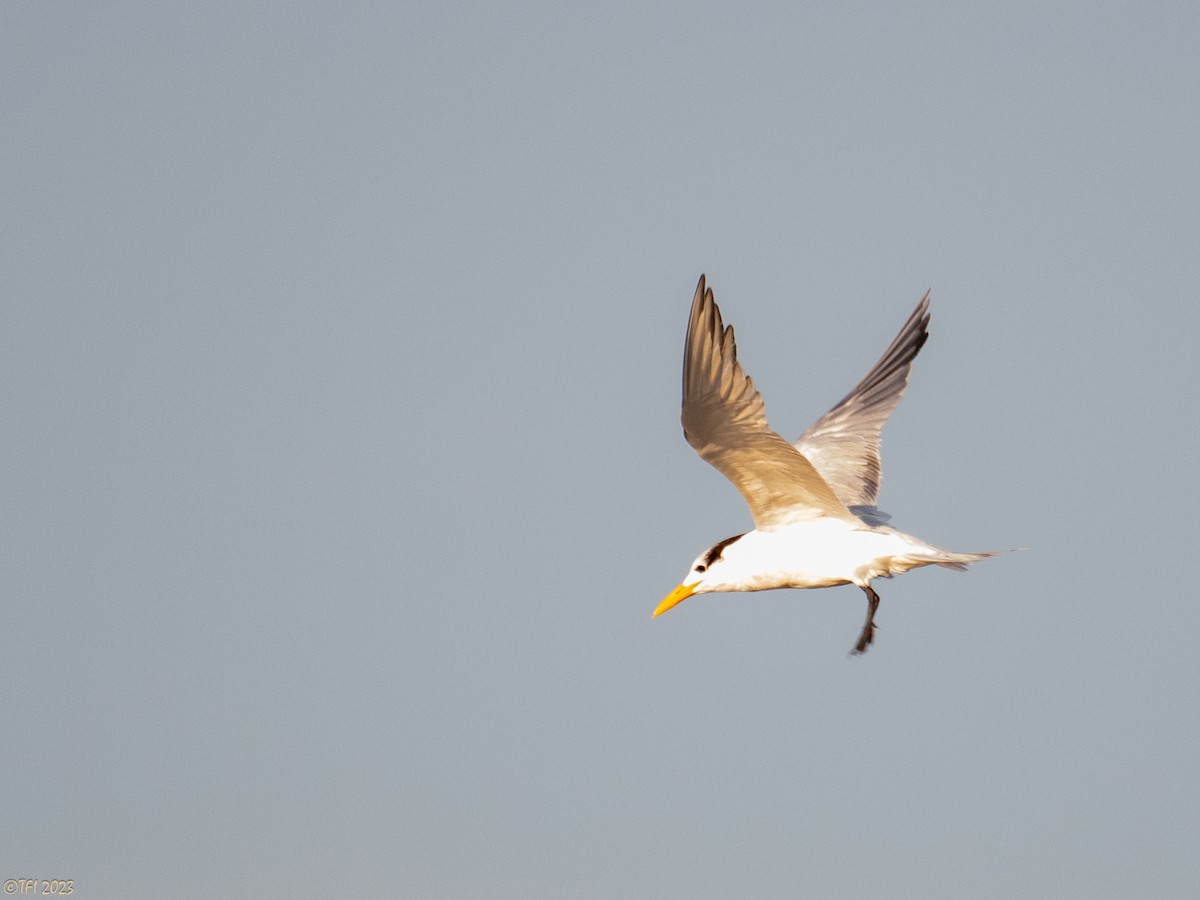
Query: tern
(813, 502)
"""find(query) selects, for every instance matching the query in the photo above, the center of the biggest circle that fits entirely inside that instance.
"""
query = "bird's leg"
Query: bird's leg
(868, 632)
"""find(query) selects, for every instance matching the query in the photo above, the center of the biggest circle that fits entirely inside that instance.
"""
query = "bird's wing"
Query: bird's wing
(843, 444)
(725, 420)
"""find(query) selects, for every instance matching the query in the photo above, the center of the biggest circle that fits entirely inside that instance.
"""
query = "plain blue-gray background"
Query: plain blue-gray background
(342, 467)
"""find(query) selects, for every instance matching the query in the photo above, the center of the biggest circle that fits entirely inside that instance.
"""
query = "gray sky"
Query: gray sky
(341, 354)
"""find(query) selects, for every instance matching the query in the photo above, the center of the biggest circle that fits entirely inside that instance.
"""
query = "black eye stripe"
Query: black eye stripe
(715, 553)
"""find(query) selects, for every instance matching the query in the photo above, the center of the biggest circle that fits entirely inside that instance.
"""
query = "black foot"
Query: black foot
(868, 633)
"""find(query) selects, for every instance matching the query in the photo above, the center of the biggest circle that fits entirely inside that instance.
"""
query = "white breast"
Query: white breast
(816, 553)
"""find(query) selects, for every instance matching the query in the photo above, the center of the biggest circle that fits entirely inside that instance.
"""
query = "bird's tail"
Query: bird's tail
(959, 561)
(923, 554)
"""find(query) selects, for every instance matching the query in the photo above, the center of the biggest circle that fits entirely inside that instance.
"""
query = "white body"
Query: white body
(818, 553)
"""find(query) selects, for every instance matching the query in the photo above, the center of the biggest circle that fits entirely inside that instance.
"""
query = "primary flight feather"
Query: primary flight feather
(813, 503)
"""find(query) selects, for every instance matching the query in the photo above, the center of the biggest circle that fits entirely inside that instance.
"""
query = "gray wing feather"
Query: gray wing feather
(725, 420)
(843, 444)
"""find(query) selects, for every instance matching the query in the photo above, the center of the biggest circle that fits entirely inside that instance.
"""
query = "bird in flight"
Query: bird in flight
(813, 502)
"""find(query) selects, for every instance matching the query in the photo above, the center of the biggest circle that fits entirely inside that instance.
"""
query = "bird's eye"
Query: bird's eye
(701, 567)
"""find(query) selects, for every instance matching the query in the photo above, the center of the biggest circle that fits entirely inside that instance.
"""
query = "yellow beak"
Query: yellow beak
(674, 598)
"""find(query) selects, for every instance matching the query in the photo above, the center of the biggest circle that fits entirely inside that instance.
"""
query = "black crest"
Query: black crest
(717, 549)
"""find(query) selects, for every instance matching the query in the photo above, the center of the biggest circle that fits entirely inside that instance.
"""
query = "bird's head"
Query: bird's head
(708, 573)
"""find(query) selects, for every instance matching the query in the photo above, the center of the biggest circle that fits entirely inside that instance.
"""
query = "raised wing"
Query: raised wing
(725, 420)
(843, 444)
